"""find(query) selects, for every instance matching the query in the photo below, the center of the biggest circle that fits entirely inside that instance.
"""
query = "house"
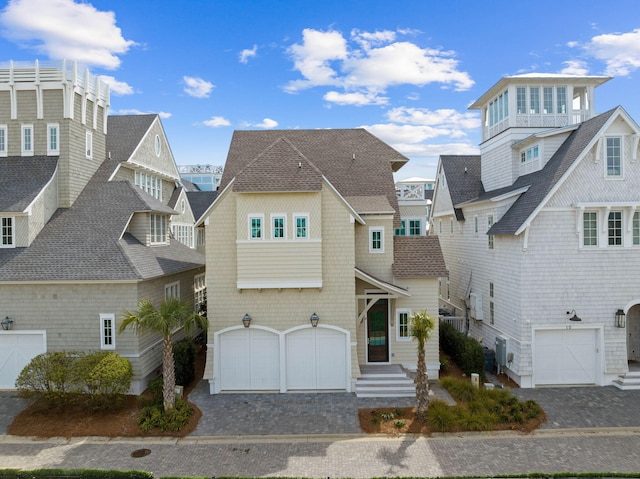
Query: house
(85, 221)
(541, 233)
(415, 196)
(309, 282)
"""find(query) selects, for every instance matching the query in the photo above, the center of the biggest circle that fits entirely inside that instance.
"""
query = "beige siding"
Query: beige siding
(376, 264)
(139, 228)
(145, 155)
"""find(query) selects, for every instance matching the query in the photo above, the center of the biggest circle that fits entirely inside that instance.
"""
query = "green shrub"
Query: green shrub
(184, 357)
(440, 416)
(50, 376)
(105, 377)
(154, 416)
(155, 389)
(465, 351)
(461, 390)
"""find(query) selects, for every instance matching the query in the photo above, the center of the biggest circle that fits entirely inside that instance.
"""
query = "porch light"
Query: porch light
(7, 323)
(314, 320)
(575, 317)
(621, 319)
(246, 320)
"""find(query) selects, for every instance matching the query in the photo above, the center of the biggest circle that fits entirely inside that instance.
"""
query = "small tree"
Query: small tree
(421, 327)
(173, 314)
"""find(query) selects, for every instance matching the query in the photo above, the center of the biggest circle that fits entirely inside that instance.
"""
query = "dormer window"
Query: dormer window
(530, 160)
(158, 229)
(7, 232)
(149, 183)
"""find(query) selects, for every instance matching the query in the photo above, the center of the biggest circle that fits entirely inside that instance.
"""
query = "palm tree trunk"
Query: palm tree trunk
(168, 374)
(422, 384)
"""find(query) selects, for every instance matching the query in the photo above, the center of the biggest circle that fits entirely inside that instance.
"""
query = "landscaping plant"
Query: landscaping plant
(421, 326)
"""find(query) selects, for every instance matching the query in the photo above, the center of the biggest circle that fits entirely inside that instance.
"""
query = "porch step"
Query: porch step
(384, 381)
(628, 381)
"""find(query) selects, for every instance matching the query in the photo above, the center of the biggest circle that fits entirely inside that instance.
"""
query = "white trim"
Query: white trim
(387, 287)
(273, 217)
(172, 290)
(398, 313)
(372, 230)
(3, 152)
(295, 217)
(13, 232)
(53, 127)
(24, 151)
(250, 217)
(104, 317)
(89, 144)
(278, 284)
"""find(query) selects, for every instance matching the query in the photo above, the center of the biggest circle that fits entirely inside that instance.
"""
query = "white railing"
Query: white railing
(410, 191)
(216, 170)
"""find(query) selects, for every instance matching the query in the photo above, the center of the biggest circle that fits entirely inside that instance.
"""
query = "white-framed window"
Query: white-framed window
(7, 232)
(403, 326)
(301, 224)
(636, 228)
(521, 100)
(376, 239)
(415, 227)
(53, 139)
(590, 228)
(547, 100)
(561, 100)
(89, 144)
(149, 183)
(157, 145)
(183, 233)
(614, 156)
(499, 108)
(3, 141)
(278, 226)
(530, 154)
(614, 228)
(491, 307)
(450, 225)
(27, 140)
(183, 206)
(172, 290)
(534, 100)
(158, 229)
(489, 225)
(107, 331)
(200, 292)
(200, 236)
(256, 227)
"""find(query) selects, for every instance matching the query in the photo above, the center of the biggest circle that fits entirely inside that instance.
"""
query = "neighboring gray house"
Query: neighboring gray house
(541, 233)
(84, 221)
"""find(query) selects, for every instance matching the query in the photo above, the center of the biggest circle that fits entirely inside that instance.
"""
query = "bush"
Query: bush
(105, 377)
(50, 376)
(78, 473)
(154, 416)
(184, 357)
(465, 351)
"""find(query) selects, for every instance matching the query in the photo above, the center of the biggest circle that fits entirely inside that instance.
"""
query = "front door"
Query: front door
(378, 332)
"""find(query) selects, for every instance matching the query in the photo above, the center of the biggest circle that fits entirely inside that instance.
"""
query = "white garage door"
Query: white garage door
(16, 350)
(316, 359)
(249, 360)
(564, 357)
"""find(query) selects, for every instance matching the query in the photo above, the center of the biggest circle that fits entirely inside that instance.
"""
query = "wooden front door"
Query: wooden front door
(378, 332)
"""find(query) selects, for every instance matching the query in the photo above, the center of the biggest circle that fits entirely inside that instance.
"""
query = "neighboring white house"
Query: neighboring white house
(541, 232)
(414, 200)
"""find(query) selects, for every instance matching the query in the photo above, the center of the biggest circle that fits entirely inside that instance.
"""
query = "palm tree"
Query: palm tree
(173, 314)
(421, 327)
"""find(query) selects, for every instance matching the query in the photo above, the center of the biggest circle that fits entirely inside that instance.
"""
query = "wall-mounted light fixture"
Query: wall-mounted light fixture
(574, 317)
(314, 320)
(246, 320)
(621, 319)
(7, 323)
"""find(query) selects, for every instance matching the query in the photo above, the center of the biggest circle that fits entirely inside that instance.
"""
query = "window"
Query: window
(547, 99)
(3, 140)
(172, 290)
(614, 156)
(561, 99)
(402, 230)
(107, 331)
(475, 224)
(615, 228)
(278, 227)
(200, 237)
(53, 146)
(158, 229)
(184, 234)
(521, 100)
(302, 226)
(376, 243)
(7, 233)
(489, 225)
(534, 100)
(636, 228)
(499, 108)
(89, 144)
(403, 319)
(183, 206)
(530, 154)
(27, 140)
(157, 145)
(491, 309)
(415, 227)
(590, 228)
(149, 183)
(255, 227)
(200, 293)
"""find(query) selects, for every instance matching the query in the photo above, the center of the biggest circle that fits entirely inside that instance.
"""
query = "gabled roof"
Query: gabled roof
(463, 178)
(22, 179)
(125, 133)
(372, 205)
(200, 201)
(418, 257)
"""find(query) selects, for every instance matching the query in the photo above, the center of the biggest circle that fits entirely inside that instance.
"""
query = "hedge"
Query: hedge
(465, 351)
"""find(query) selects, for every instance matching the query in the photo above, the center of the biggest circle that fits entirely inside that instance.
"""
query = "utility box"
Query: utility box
(501, 351)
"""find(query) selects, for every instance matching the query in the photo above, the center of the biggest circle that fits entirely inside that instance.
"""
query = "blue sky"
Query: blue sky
(405, 70)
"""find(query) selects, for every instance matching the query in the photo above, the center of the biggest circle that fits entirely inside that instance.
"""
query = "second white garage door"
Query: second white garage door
(316, 359)
(565, 356)
(16, 350)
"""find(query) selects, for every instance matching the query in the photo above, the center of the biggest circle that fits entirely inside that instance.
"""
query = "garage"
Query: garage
(316, 359)
(565, 356)
(17, 348)
(249, 360)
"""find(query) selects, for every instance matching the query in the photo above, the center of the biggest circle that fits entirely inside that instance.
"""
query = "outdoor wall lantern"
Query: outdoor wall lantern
(574, 317)
(7, 323)
(621, 319)
(314, 320)
(246, 320)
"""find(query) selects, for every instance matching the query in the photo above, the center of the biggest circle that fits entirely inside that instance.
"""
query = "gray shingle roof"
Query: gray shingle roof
(418, 257)
(125, 133)
(22, 178)
(200, 201)
(463, 178)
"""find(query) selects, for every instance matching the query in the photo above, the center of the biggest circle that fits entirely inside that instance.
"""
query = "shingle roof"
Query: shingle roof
(463, 179)
(200, 201)
(353, 160)
(125, 133)
(22, 178)
(541, 182)
(370, 204)
(418, 257)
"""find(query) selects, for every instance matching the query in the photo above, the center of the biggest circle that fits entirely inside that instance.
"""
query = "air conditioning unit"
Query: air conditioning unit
(475, 306)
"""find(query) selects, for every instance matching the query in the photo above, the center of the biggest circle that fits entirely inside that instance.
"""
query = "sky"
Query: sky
(407, 71)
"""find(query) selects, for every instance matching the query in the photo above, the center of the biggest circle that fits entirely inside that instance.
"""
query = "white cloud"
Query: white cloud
(117, 87)
(620, 51)
(197, 87)
(216, 121)
(355, 98)
(63, 29)
(248, 53)
(267, 124)
(575, 67)
(375, 62)
(133, 111)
